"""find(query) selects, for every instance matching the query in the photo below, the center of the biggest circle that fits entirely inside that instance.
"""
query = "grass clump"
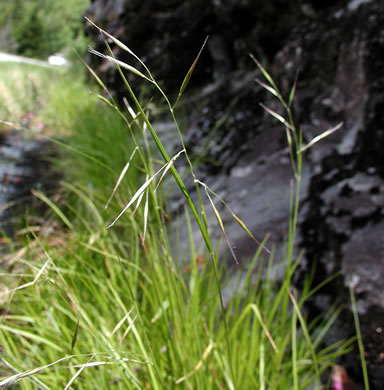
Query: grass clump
(111, 308)
(23, 91)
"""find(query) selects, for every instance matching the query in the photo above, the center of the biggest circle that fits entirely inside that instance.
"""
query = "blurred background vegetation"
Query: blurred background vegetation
(40, 28)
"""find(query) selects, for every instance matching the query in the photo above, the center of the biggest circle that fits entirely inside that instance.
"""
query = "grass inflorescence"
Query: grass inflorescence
(96, 298)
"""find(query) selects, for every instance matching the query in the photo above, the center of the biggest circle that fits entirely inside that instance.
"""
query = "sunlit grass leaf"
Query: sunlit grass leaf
(254, 308)
(18, 377)
(162, 309)
(277, 116)
(141, 190)
(122, 174)
(221, 225)
(189, 74)
(321, 136)
(130, 109)
(74, 377)
(169, 166)
(198, 366)
(245, 228)
(111, 37)
(120, 63)
(119, 43)
(138, 202)
(267, 87)
(130, 326)
(25, 285)
(121, 322)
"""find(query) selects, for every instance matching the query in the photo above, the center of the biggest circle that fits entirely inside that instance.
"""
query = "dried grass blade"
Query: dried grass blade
(120, 63)
(25, 285)
(141, 190)
(68, 385)
(129, 328)
(118, 43)
(130, 109)
(136, 196)
(256, 310)
(74, 377)
(321, 136)
(121, 322)
(267, 87)
(169, 166)
(111, 37)
(18, 377)
(138, 203)
(220, 222)
(234, 216)
(162, 309)
(245, 228)
(122, 174)
(198, 366)
(93, 364)
(277, 116)
(40, 383)
(189, 74)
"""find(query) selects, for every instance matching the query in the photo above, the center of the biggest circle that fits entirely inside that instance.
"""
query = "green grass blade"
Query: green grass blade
(189, 74)
(359, 338)
(122, 174)
(54, 207)
(321, 136)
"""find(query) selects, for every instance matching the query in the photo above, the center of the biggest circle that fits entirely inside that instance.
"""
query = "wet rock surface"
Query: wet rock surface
(24, 166)
(337, 48)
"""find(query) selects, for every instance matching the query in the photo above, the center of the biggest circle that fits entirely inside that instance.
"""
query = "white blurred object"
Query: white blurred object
(57, 60)
(53, 61)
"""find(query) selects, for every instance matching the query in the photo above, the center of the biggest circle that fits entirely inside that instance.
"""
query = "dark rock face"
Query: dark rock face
(167, 34)
(24, 166)
(338, 49)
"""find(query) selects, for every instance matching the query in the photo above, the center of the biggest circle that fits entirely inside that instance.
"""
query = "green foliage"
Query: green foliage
(29, 33)
(23, 90)
(42, 27)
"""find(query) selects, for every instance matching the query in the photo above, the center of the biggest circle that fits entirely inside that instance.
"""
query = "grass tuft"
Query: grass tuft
(94, 307)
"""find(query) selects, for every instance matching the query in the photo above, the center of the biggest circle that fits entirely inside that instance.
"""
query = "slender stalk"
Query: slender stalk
(202, 224)
(359, 338)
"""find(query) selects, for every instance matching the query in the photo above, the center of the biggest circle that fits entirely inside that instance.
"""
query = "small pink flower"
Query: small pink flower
(40, 125)
(340, 379)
